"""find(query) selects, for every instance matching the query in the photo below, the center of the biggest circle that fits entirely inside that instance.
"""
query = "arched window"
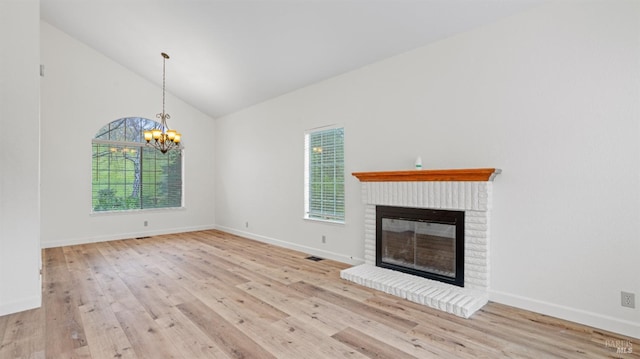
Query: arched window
(127, 175)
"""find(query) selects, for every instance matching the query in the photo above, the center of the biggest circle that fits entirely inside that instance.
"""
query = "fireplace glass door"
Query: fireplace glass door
(428, 243)
(424, 246)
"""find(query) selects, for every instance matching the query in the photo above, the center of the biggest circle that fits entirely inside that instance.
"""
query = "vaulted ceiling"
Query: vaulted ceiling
(230, 54)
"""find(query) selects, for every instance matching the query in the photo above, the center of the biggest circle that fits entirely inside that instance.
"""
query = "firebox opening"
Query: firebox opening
(424, 242)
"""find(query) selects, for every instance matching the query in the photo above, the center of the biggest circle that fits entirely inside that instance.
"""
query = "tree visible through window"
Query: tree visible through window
(324, 174)
(127, 175)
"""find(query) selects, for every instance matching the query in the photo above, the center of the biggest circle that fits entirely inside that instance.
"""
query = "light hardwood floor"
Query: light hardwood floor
(210, 294)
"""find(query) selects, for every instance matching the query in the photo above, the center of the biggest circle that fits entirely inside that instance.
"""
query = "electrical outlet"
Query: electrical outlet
(246, 224)
(146, 223)
(324, 239)
(628, 299)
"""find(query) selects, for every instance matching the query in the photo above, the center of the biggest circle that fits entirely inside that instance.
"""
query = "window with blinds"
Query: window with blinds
(127, 175)
(324, 174)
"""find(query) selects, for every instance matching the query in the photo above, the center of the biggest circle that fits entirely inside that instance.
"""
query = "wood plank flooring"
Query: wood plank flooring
(210, 294)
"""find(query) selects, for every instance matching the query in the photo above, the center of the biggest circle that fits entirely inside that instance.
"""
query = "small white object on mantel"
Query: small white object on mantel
(419, 163)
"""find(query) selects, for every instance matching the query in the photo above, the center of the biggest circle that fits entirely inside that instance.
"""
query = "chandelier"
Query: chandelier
(163, 138)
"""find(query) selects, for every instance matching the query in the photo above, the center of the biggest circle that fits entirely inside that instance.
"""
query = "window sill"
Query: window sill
(328, 221)
(133, 211)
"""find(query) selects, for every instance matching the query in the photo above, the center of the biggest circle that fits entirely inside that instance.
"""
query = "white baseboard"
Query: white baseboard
(119, 236)
(21, 305)
(616, 325)
(310, 250)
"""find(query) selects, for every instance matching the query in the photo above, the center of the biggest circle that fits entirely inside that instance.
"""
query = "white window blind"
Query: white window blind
(324, 174)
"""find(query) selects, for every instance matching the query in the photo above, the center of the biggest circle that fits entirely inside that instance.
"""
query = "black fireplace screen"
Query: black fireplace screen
(424, 242)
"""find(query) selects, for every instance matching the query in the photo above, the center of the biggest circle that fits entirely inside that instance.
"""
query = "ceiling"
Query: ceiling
(228, 55)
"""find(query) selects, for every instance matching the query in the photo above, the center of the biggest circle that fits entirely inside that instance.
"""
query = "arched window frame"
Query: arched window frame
(127, 175)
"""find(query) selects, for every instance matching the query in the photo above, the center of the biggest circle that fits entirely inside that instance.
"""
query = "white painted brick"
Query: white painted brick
(472, 233)
(472, 197)
(459, 301)
(477, 265)
(469, 239)
(475, 226)
(475, 247)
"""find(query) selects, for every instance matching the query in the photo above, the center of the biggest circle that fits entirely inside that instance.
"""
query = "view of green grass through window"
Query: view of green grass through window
(324, 174)
(127, 175)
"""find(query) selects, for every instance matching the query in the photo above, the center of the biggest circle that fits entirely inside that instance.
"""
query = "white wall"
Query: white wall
(19, 158)
(82, 91)
(550, 96)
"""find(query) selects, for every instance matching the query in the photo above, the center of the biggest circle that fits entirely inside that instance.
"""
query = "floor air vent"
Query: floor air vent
(314, 258)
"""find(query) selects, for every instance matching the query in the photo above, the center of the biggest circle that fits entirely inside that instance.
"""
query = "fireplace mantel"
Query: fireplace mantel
(454, 175)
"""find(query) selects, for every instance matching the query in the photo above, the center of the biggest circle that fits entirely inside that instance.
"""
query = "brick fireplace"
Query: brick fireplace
(467, 190)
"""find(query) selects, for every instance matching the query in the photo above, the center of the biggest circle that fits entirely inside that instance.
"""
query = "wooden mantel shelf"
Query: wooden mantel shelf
(463, 174)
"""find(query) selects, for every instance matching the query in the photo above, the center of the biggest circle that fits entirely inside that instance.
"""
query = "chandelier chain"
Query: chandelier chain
(164, 116)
